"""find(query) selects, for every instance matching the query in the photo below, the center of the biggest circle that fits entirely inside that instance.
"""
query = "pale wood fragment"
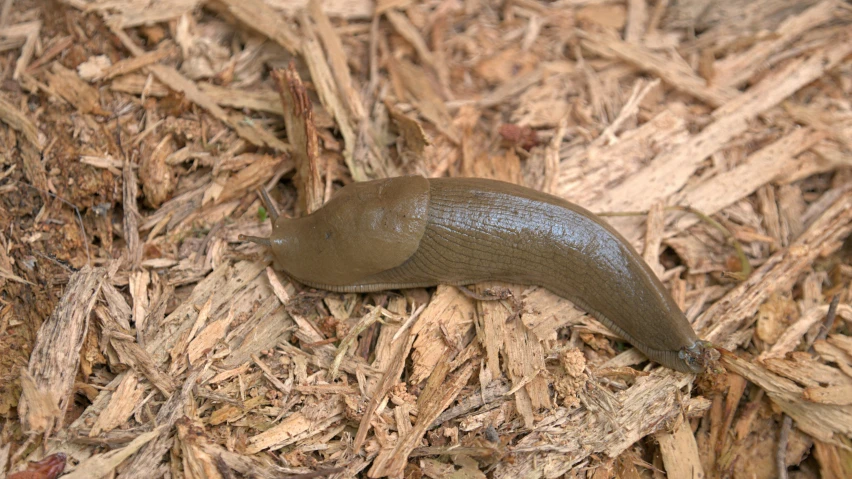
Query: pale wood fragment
(795, 333)
(408, 31)
(253, 176)
(669, 172)
(310, 421)
(439, 393)
(331, 98)
(424, 96)
(138, 283)
(680, 452)
(736, 69)
(260, 17)
(836, 395)
(124, 400)
(100, 465)
(779, 272)
(637, 16)
(588, 176)
(822, 421)
(444, 322)
(28, 32)
(674, 74)
(389, 378)
(130, 220)
(227, 285)
(524, 367)
(642, 409)
(387, 342)
(119, 310)
(133, 14)
(653, 237)
(207, 339)
(266, 327)
(49, 377)
(74, 90)
(130, 65)
(17, 120)
(761, 167)
(806, 370)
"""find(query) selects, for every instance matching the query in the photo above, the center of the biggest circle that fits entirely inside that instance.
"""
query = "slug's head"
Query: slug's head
(285, 243)
(309, 249)
(367, 228)
(699, 357)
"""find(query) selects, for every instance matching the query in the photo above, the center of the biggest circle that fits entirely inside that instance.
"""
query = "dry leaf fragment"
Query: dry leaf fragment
(48, 468)
(523, 136)
(411, 131)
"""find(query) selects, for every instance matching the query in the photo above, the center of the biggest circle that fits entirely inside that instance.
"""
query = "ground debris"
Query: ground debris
(139, 337)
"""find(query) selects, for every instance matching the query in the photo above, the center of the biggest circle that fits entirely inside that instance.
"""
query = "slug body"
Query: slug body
(412, 231)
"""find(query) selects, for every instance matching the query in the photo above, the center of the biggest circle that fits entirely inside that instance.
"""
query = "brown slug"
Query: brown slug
(411, 231)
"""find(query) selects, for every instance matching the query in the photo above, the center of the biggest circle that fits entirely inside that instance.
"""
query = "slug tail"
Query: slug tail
(257, 240)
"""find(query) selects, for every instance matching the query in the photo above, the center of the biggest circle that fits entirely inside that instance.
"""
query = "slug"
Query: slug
(410, 231)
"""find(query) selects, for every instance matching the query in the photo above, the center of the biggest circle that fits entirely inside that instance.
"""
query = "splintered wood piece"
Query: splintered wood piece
(101, 465)
(389, 379)
(260, 17)
(736, 69)
(310, 421)
(302, 134)
(439, 393)
(48, 381)
(680, 451)
(331, 97)
(761, 167)
(642, 409)
(17, 120)
(26, 34)
(83, 96)
(124, 400)
(669, 172)
(822, 420)
(779, 272)
(675, 74)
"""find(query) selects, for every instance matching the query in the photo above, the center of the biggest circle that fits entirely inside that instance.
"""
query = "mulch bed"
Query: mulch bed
(139, 337)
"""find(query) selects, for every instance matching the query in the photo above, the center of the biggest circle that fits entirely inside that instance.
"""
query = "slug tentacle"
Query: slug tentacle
(271, 209)
(256, 239)
(413, 232)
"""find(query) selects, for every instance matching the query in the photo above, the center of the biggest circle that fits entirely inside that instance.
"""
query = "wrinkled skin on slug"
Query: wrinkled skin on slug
(415, 232)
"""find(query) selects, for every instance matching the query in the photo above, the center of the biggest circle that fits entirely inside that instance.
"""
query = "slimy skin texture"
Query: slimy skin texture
(411, 231)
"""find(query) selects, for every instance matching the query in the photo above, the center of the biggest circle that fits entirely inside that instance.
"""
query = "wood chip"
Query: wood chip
(738, 306)
(738, 110)
(820, 420)
(302, 133)
(56, 355)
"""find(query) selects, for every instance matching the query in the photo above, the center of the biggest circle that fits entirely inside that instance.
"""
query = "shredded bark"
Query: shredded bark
(140, 338)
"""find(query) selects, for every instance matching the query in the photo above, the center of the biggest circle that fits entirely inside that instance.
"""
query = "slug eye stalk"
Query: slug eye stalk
(271, 209)
(256, 240)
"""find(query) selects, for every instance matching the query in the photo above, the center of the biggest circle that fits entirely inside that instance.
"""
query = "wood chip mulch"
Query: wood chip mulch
(140, 338)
